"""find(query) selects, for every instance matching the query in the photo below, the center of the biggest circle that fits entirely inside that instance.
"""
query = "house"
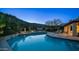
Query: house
(72, 28)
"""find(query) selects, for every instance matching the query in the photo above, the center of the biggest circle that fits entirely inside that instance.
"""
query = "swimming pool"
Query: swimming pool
(41, 42)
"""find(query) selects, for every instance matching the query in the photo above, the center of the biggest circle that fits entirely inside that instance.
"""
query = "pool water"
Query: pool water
(42, 42)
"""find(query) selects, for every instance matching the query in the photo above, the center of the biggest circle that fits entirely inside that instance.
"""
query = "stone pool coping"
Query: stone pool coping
(3, 42)
(63, 36)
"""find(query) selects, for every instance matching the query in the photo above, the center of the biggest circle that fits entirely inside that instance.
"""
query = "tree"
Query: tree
(55, 22)
(54, 25)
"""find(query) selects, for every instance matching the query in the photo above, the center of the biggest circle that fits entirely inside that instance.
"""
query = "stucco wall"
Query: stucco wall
(77, 27)
(67, 30)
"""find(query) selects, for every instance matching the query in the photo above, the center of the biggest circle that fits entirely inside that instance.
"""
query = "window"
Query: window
(71, 28)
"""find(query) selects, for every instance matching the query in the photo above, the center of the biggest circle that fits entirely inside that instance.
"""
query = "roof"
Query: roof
(73, 21)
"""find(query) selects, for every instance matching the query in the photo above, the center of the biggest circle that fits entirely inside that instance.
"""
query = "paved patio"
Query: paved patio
(62, 35)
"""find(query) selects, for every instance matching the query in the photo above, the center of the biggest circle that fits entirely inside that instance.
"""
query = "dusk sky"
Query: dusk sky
(41, 15)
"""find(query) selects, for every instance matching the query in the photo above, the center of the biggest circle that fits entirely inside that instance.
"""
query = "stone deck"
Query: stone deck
(62, 35)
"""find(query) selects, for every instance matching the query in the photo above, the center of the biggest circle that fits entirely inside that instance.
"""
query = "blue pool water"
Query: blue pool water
(42, 42)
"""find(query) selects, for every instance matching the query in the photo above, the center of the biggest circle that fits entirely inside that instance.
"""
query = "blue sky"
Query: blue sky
(41, 15)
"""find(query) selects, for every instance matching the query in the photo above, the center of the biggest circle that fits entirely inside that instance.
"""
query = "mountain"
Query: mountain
(10, 24)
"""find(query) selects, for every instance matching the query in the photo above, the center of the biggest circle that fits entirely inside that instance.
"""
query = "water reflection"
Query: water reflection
(16, 39)
(74, 45)
(42, 43)
(71, 45)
